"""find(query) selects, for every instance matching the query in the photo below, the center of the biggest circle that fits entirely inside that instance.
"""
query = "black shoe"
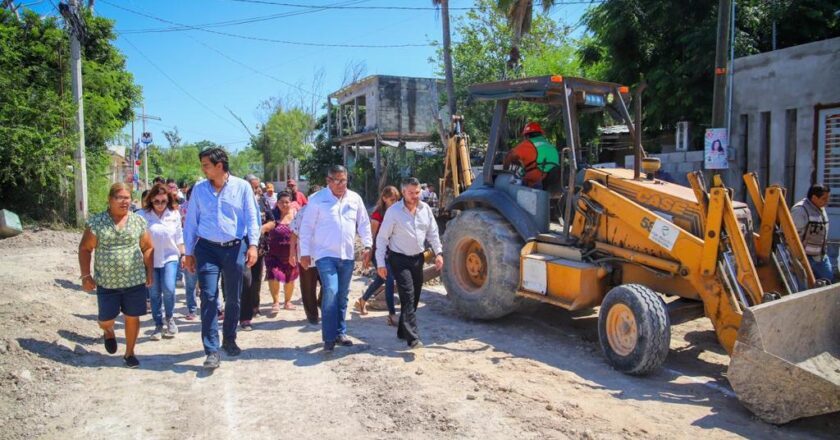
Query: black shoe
(231, 348)
(131, 361)
(415, 344)
(314, 321)
(111, 345)
(212, 362)
(344, 341)
(329, 346)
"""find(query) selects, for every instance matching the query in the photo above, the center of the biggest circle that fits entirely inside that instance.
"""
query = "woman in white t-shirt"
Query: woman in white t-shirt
(164, 225)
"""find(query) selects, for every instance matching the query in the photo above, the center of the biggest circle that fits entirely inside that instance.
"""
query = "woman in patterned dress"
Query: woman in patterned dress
(281, 266)
(122, 270)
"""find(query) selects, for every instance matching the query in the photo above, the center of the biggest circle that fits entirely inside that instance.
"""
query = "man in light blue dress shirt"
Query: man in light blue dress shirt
(220, 237)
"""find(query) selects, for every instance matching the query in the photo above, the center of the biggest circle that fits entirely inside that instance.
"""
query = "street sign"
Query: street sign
(146, 138)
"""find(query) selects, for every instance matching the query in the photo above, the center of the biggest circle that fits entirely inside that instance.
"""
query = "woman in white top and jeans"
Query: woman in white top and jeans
(164, 225)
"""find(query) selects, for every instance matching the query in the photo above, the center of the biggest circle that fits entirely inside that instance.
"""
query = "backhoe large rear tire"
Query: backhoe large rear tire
(481, 264)
(634, 329)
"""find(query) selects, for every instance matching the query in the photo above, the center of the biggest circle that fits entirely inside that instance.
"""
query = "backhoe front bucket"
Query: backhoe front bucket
(786, 361)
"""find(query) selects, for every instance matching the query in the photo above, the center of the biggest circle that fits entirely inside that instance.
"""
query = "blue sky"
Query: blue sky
(191, 78)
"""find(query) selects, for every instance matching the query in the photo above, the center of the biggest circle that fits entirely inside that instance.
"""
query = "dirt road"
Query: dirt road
(538, 375)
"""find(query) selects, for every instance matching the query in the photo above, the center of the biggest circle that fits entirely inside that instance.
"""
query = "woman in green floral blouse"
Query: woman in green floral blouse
(122, 270)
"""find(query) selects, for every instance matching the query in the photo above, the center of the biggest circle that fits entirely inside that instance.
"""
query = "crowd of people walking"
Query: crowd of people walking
(236, 232)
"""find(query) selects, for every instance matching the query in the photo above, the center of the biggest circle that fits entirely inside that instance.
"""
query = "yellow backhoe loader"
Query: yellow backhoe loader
(649, 254)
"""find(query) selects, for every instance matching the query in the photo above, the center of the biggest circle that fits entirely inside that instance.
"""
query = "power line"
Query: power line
(396, 8)
(314, 53)
(254, 70)
(268, 40)
(367, 8)
(163, 72)
(235, 22)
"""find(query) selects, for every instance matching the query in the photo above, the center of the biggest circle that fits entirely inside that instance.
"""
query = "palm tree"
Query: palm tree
(519, 14)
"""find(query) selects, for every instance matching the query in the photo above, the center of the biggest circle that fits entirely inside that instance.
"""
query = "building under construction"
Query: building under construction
(383, 111)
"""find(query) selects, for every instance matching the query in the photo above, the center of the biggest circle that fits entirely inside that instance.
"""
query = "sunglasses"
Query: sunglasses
(159, 202)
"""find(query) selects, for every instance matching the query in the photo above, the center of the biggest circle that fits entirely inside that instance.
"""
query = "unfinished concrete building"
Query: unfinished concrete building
(381, 111)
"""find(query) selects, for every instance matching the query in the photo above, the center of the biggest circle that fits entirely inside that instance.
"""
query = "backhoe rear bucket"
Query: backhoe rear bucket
(786, 360)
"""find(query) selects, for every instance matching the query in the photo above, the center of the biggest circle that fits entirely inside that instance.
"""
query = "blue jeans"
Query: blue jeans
(190, 280)
(389, 291)
(163, 288)
(821, 268)
(212, 260)
(335, 276)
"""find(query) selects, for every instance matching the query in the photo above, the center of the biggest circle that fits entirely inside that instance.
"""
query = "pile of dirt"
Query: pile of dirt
(40, 237)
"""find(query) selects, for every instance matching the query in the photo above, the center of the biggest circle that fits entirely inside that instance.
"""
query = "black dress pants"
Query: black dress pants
(309, 282)
(408, 274)
(251, 284)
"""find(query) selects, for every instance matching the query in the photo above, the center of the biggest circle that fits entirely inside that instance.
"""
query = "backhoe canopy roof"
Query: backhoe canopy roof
(549, 90)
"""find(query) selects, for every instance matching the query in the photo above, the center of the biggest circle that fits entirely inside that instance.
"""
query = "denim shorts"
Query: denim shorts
(130, 300)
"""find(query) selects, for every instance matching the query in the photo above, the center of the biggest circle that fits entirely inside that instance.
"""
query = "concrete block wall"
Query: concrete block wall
(794, 79)
(407, 105)
(677, 165)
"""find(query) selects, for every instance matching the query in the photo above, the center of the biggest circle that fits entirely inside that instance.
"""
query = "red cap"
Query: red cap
(531, 127)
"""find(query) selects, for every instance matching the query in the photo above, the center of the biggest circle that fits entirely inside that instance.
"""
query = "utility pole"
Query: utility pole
(721, 55)
(10, 5)
(76, 26)
(447, 57)
(144, 117)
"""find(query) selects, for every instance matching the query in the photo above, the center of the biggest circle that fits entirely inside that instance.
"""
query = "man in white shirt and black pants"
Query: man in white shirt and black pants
(328, 231)
(407, 225)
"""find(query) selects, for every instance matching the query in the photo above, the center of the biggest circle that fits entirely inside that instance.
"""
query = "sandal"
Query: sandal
(275, 309)
(393, 321)
(289, 306)
(361, 305)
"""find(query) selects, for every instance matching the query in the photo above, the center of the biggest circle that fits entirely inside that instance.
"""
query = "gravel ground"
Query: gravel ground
(531, 375)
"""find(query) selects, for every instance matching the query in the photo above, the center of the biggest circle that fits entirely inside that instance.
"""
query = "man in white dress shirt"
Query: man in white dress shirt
(407, 225)
(327, 235)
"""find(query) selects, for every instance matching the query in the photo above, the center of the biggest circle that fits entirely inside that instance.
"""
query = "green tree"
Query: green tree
(631, 39)
(520, 15)
(320, 158)
(283, 136)
(482, 54)
(37, 119)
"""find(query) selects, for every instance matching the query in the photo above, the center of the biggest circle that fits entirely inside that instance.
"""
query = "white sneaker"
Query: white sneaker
(170, 330)
(156, 334)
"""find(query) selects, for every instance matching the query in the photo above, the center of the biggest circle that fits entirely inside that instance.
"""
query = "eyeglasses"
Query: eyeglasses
(338, 181)
(159, 202)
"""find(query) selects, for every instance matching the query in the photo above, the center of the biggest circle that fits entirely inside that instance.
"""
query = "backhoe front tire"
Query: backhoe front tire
(481, 264)
(634, 329)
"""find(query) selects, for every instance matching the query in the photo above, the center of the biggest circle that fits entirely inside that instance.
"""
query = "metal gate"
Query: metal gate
(828, 162)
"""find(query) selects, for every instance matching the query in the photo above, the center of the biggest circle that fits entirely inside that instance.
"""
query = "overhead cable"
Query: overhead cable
(268, 40)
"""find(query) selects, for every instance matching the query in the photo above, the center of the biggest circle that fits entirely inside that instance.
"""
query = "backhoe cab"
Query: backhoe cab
(648, 253)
